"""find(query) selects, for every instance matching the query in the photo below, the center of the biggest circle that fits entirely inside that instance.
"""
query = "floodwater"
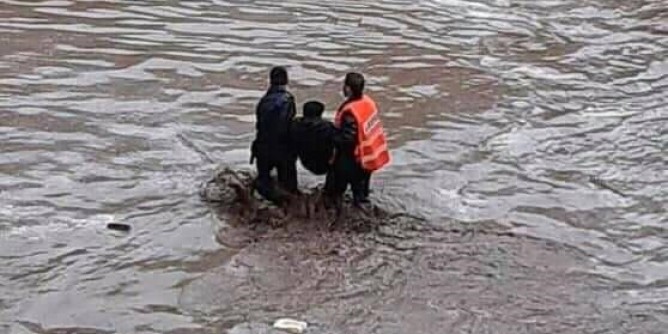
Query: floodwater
(530, 136)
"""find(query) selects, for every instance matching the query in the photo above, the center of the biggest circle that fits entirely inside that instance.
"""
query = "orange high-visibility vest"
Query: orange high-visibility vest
(371, 150)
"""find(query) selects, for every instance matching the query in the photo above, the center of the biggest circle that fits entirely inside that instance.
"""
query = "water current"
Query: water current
(530, 135)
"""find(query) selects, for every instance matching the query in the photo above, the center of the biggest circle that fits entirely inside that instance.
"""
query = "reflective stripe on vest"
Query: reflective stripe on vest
(371, 150)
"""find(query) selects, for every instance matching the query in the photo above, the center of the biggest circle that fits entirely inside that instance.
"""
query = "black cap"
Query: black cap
(278, 76)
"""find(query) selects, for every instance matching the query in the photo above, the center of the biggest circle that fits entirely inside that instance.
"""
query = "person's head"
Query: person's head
(313, 109)
(278, 76)
(353, 86)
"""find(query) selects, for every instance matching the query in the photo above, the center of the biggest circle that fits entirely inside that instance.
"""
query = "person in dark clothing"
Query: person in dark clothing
(313, 138)
(345, 169)
(271, 147)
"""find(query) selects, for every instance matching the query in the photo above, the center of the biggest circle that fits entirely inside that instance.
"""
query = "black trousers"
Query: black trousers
(286, 168)
(366, 181)
(345, 172)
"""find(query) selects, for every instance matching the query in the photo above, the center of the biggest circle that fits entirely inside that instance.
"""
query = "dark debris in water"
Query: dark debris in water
(119, 227)
(229, 193)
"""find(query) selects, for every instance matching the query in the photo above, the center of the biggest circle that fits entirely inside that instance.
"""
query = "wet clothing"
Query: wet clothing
(287, 175)
(345, 169)
(274, 114)
(346, 172)
(366, 184)
(313, 141)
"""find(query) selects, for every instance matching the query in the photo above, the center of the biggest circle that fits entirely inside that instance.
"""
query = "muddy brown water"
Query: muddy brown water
(529, 136)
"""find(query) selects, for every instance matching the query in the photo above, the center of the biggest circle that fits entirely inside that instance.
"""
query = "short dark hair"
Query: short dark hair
(278, 76)
(355, 81)
(313, 109)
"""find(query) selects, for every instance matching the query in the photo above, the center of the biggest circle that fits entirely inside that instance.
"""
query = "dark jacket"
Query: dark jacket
(274, 114)
(313, 140)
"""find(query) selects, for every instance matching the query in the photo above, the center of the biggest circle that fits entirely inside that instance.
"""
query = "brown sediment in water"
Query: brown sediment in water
(418, 276)
(530, 135)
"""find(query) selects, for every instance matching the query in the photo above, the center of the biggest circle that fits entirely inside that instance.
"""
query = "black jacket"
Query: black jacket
(274, 113)
(313, 140)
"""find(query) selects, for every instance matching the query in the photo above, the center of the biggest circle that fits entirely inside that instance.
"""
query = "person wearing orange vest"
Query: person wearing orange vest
(360, 142)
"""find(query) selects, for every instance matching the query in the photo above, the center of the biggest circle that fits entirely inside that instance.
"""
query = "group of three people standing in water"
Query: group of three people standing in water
(347, 150)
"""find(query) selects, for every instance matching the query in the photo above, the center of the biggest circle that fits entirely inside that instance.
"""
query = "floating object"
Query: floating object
(119, 227)
(291, 325)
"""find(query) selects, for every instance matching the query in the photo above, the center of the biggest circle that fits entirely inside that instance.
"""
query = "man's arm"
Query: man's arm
(285, 117)
(292, 111)
(258, 114)
(258, 122)
(346, 136)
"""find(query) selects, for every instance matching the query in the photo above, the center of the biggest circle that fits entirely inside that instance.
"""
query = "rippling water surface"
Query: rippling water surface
(531, 135)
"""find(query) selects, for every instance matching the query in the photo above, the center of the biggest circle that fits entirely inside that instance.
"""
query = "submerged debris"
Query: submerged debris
(230, 194)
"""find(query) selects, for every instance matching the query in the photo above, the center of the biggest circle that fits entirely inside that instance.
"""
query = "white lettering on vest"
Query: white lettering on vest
(371, 123)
